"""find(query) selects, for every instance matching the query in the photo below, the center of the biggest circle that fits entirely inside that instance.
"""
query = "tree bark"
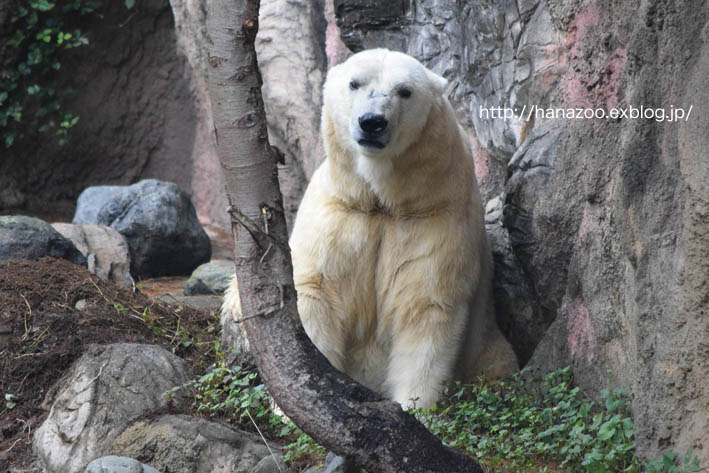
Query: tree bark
(341, 414)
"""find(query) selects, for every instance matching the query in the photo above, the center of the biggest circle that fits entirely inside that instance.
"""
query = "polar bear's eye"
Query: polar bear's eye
(354, 85)
(404, 92)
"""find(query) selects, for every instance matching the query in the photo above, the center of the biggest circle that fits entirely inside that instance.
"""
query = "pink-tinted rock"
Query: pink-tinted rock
(601, 249)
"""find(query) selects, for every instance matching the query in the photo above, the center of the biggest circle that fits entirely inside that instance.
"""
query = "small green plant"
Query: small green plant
(231, 392)
(29, 93)
(10, 401)
(236, 393)
(668, 464)
(28, 90)
(178, 337)
(304, 447)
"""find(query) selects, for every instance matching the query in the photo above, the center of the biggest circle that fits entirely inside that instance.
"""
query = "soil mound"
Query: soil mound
(50, 312)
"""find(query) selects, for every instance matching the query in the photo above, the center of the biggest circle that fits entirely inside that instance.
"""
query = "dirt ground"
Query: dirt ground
(50, 312)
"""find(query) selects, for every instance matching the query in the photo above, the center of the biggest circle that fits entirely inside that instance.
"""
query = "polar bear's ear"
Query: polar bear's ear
(439, 82)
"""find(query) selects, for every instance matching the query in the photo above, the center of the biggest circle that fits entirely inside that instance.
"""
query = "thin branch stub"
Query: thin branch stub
(262, 238)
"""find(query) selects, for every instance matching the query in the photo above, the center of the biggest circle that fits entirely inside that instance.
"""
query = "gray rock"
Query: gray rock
(81, 305)
(210, 278)
(333, 464)
(271, 464)
(99, 396)
(30, 238)
(105, 249)
(158, 221)
(520, 279)
(114, 464)
(184, 444)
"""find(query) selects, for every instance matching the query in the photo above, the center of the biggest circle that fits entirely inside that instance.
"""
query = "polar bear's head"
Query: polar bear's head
(379, 102)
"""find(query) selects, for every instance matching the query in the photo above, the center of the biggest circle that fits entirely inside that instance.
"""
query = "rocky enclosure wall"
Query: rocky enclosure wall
(136, 109)
(601, 245)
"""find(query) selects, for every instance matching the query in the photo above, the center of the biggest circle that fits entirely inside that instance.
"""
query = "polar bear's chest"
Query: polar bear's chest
(374, 170)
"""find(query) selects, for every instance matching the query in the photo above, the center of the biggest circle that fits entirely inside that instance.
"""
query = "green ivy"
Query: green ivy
(29, 95)
(511, 426)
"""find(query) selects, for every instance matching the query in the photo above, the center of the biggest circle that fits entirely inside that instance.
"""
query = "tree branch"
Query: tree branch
(341, 414)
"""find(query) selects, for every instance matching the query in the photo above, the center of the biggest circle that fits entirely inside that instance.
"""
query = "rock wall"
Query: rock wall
(601, 241)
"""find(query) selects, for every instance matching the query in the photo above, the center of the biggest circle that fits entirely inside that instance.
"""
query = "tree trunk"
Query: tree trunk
(341, 414)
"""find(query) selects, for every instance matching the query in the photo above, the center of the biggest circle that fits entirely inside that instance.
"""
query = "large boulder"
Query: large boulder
(30, 238)
(157, 219)
(103, 392)
(105, 249)
(184, 444)
(604, 221)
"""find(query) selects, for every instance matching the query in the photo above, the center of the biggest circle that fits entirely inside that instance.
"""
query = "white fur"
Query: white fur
(373, 170)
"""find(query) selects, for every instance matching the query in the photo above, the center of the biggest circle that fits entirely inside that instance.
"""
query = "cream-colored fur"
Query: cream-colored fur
(390, 258)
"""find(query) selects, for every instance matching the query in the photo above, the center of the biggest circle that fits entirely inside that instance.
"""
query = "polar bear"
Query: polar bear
(390, 257)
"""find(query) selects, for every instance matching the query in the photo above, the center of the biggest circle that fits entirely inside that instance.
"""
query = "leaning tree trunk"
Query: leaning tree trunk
(339, 413)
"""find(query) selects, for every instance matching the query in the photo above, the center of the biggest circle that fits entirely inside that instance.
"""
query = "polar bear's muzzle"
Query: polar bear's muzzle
(372, 130)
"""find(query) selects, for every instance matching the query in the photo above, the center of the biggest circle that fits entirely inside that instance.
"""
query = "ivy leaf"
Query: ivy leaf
(34, 57)
(606, 431)
(33, 89)
(41, 5)
(32, 19)
(130, 4)
(20, 12)
(9, 139)
(668, 459)
(17, 39)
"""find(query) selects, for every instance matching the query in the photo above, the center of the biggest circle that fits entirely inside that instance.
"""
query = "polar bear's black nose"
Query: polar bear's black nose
(372, 123)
